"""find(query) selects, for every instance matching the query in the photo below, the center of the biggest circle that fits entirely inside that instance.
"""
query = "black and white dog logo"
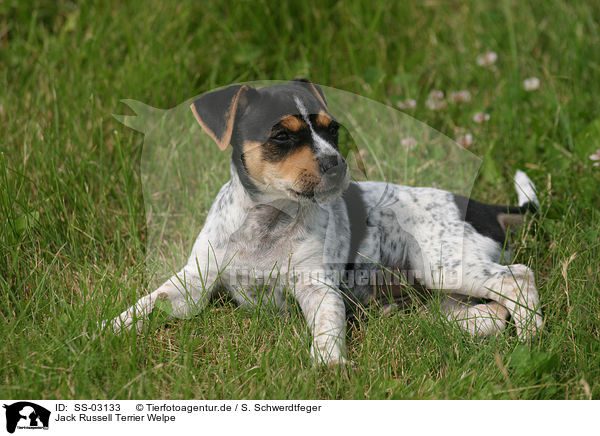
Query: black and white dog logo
(26, 415)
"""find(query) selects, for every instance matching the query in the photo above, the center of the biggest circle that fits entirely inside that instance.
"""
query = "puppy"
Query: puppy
(289, 223)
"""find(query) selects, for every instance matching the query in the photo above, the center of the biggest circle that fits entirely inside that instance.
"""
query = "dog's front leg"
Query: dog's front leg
(323, 308)
(184, 295)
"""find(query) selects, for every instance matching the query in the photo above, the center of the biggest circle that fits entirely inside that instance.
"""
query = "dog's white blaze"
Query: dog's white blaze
(322, 145)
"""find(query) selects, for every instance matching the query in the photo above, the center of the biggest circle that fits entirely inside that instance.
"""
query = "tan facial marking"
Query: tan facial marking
(293, 123)
(300, 167)
(298, 171)
(253, 160)
(323, 119)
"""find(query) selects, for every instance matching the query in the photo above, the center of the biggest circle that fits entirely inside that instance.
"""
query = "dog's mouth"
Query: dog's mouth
(324, 192)
(302, 195)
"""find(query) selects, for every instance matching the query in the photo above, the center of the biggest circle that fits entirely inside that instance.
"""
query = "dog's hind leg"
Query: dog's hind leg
(512, 287)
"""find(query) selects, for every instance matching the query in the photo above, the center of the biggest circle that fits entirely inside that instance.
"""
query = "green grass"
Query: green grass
(73, 232)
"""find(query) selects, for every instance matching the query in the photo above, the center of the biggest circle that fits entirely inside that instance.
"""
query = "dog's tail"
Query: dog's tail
(528, 200)
(485, 216)
(513, 216)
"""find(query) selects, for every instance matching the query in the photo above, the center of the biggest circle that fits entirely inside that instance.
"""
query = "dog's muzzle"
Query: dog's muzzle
(334, 178)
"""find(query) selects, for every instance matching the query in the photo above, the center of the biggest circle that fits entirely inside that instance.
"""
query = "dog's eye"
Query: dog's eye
(333, 128)
(281, 136)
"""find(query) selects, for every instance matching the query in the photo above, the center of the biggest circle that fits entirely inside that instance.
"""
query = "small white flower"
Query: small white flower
(407, 104)
(436, 94)
(460, 97)
(435, 105)
(596, 157)
(487, 59)
(465, 140)
(531, 84)
(435, 100)
(409, 143)
(481, 117)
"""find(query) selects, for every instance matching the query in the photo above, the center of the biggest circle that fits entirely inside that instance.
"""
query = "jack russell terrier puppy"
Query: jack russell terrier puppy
(291, 220)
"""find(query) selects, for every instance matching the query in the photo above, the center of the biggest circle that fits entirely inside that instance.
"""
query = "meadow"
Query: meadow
(74, 236)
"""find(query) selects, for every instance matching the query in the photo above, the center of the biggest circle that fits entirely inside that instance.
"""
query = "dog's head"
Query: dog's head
(285, 141)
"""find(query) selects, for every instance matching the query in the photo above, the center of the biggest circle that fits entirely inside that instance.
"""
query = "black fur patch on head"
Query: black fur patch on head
(315, 89)
(276, 152)
(237, 159)
(265, 111)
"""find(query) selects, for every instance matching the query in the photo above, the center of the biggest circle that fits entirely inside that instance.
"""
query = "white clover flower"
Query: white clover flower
(407, 104)
(596, 157)
(458, 97)
(487, 59)
(531, 84)
(409, 143)
(436, 94)
(481, 117)
(465, 140)
(435, 100)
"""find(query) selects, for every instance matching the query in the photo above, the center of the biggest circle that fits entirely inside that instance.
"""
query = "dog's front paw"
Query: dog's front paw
(118, 325)
(113, 326)
(330, 358)
(340, 362)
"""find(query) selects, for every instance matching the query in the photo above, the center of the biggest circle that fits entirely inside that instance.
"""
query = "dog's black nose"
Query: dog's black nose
(331, 165)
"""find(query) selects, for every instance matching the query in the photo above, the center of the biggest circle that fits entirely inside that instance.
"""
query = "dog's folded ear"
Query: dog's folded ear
(216, 112)
(315, 89)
